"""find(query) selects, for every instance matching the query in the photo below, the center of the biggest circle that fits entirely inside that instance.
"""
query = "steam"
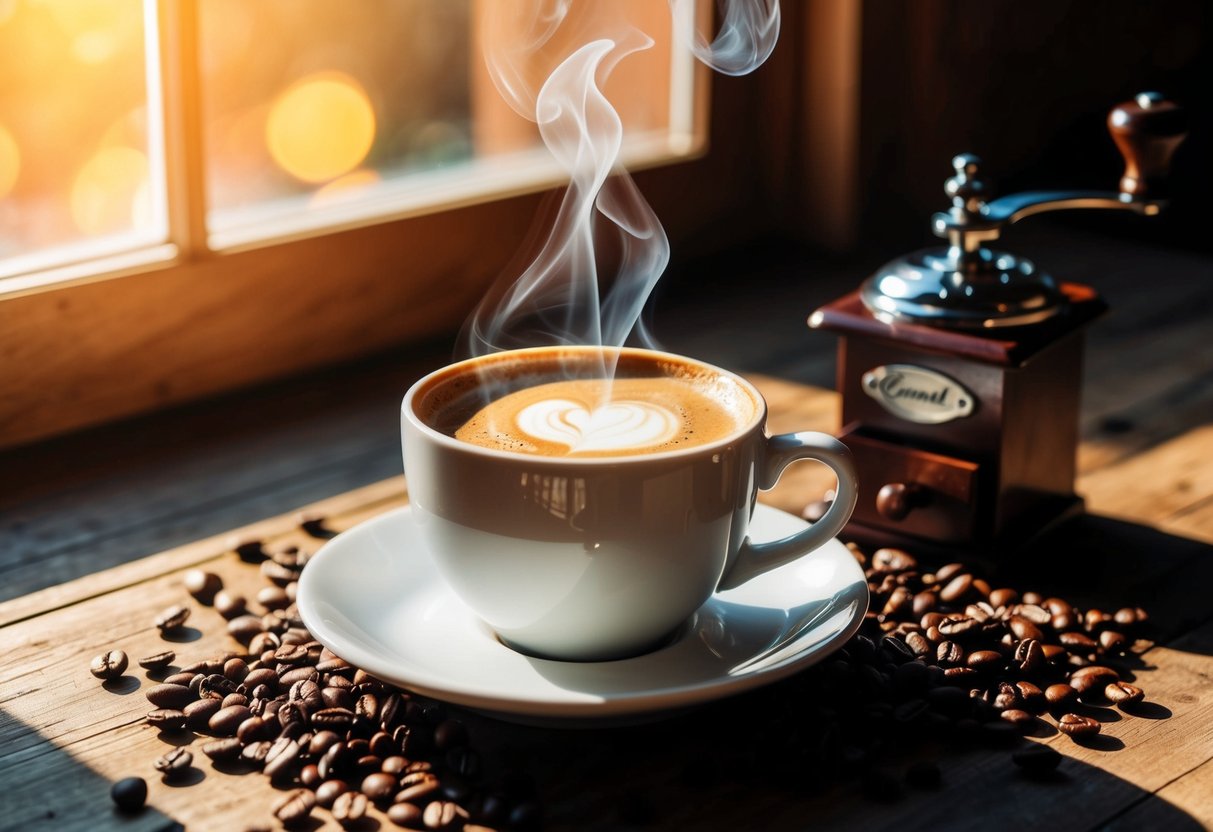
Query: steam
(746, 39)
(606, 249)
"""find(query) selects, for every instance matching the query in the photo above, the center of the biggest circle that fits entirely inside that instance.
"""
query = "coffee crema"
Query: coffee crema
(574, 418)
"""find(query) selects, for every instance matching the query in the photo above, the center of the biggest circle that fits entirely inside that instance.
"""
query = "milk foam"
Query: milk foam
(616, 426)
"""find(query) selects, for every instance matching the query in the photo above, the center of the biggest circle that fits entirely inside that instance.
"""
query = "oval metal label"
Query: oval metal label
(917, 394)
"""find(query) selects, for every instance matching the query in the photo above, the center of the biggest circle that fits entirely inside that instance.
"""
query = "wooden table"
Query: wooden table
(1146, 469)
(65, 737)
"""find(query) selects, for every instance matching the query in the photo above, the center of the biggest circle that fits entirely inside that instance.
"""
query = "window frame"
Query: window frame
(102, 339)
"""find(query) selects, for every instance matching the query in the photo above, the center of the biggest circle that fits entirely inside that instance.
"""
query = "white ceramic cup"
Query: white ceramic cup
(600, 558)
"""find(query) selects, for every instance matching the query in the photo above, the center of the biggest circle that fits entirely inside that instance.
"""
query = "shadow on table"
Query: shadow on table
(1103, 563)
(44, 787)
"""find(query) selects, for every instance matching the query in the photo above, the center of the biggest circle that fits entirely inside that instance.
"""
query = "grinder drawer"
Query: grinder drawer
(911, 491)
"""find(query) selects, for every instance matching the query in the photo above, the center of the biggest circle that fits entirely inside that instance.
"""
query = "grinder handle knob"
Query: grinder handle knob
(1146, 131)
(896, 500)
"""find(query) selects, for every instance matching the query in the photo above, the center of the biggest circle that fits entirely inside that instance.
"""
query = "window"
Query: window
(203, 256)
(138, 133)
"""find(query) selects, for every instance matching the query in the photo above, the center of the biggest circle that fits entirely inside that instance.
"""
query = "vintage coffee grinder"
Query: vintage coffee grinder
(960, 367)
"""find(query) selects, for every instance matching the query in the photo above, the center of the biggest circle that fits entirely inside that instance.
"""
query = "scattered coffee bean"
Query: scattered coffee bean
(176, 697)
(956, 588)
(229, 604)
(158, 661)
(173, 618)
(405, 814)
(167, 719)
(328, 792)
(202, 585)
(1077, 726)
(225, 721)
(223, 750)
(244, 627)
(1036, 758)
(443, 814)
(174, 763)
(294, 807)
(129, 794)
(379, 786)
(1092, 680)
(349, 808)
(1122, 693)
(199, 712)
(1059, 695)
(109, 665)
(1019, 718)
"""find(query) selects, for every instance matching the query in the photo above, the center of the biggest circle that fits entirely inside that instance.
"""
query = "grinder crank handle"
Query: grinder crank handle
(1146, 131)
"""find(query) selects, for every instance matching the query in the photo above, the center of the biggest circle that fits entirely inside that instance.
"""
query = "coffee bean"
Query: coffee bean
(216, 686)
(1034, 613)
(1029, 660)
(225, 721)
(893, 560)
(173, 763)
(175, 697)
(198, 713)
(167, 719)
(183, 678)
(282, 758)
(1063, 622)
(294, 807)
(333, 719)
(1095, 620)
(129, 794)
(443, 814)
(278, 573)
(947, 572)
(1017, 717)
(959, 628)
(291, 654)
(1077, 726)
(1059, 695)
(273, 598)
(263, 642)
(405, 814)
(1032, 697)
(256, 728)
(1077, 641)
(223, 750)
(1023, 628)
(1123, 693)
(328, 792)
(1092, 680)
(1003, 597)
(109, 665)
(417, 789)
(985, 660)
(244, 627)
(1125, 617)
(158, 661)
(298, 674)
(172, 618)
(1113, 642)
(230, 604)
(202, 585)
(236, 670)
(1036, 758)
(349, 808)
(256, 752)
(949, 653)
(1007, 697)
(956, 588)
(379, 786)
(918, 644)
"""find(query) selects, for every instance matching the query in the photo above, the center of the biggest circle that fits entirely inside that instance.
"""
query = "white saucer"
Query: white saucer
(373, 597)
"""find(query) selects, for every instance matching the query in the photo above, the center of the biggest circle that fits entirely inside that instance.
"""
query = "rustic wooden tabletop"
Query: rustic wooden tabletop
(1146, 470)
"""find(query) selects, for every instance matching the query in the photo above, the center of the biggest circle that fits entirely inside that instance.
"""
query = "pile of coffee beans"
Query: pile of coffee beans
(943, 659)
(332, 734)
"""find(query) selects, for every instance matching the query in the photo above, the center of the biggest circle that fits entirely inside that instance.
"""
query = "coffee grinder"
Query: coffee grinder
(960, 367)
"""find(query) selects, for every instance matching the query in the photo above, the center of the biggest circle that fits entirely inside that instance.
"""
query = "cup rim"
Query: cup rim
(756, 422)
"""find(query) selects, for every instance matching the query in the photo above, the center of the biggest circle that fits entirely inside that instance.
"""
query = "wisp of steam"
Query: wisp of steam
(570, 293)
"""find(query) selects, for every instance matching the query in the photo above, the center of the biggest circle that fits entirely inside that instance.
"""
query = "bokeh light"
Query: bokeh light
(111, 192)
(321, 127)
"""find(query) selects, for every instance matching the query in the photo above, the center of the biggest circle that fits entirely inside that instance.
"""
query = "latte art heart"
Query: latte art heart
(615, 426)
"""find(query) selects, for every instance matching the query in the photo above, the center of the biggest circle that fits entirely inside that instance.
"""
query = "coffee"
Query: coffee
(557, 405)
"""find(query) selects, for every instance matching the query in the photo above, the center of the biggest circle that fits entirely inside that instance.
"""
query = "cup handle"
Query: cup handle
(755, 558)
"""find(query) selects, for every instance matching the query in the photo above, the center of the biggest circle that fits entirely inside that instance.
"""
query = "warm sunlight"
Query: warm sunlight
(321, 127)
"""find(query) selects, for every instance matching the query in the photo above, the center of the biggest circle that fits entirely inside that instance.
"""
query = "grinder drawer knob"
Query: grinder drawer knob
(896, 500)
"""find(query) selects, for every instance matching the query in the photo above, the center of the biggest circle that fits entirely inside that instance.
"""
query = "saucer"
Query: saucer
(373, 597)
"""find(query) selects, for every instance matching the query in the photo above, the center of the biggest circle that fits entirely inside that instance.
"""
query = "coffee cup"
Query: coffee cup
(586, 520)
